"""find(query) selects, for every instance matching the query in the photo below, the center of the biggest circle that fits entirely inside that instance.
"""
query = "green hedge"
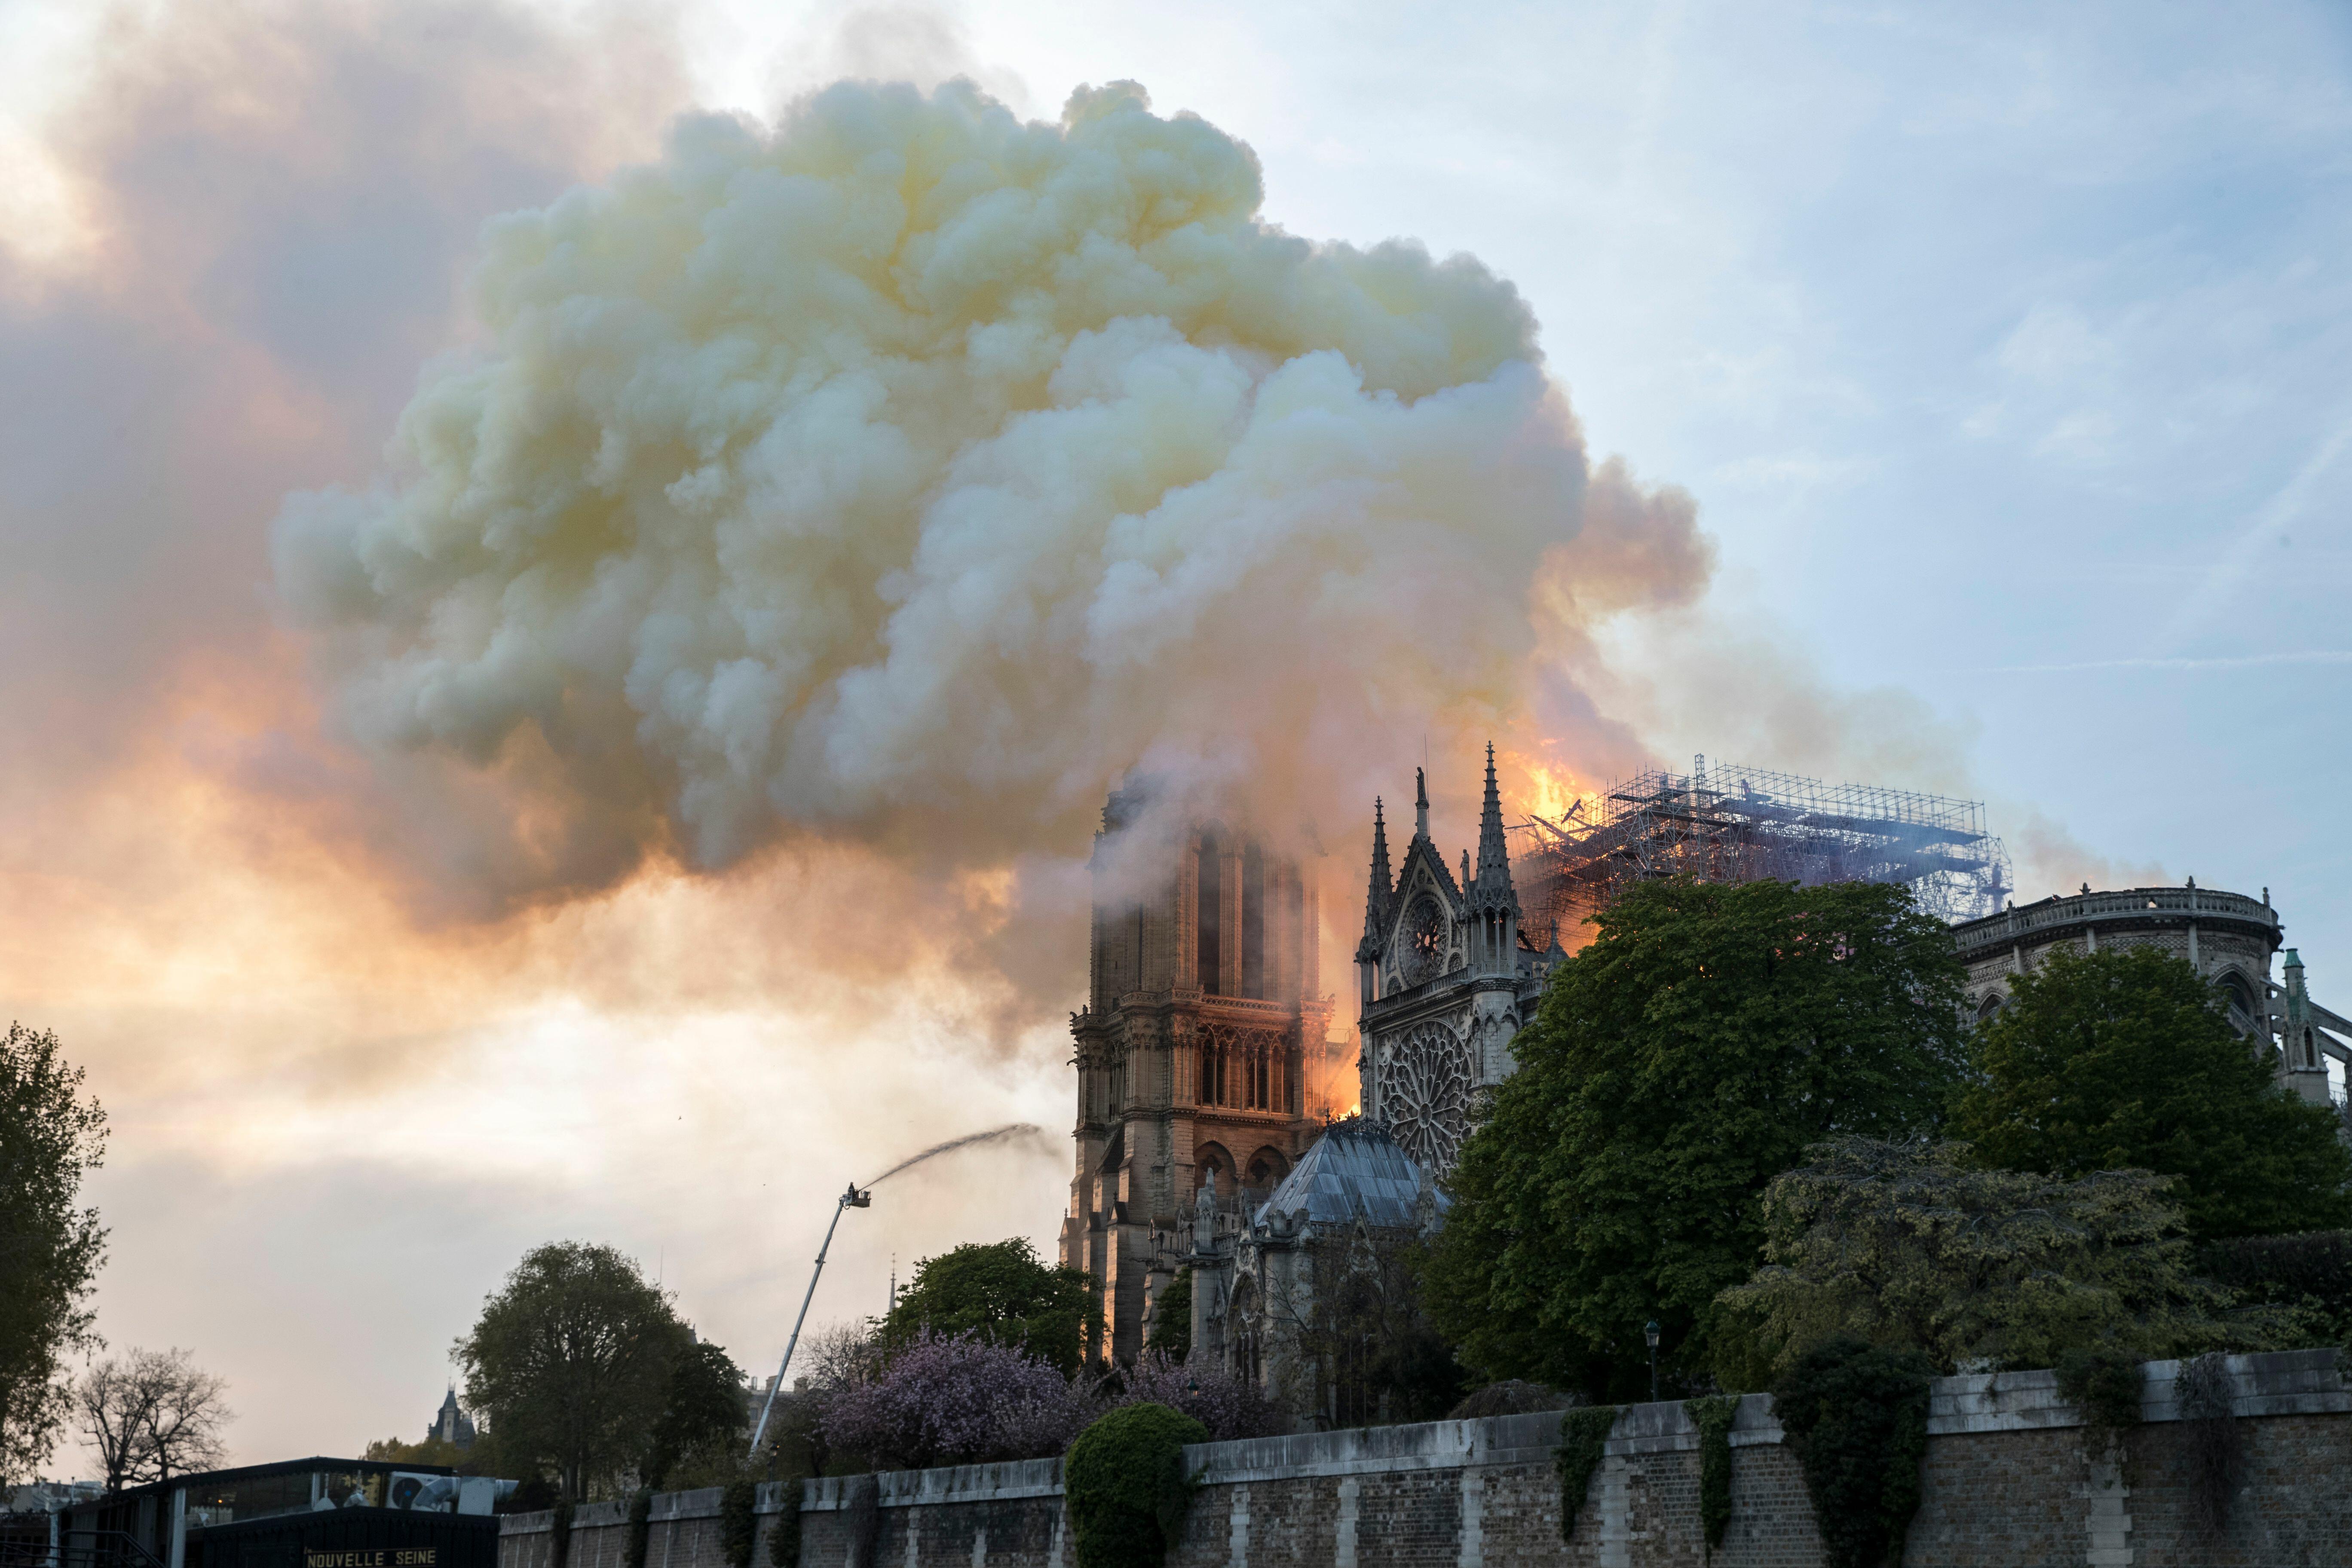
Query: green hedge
(1856, 1415)
(1126, 1488)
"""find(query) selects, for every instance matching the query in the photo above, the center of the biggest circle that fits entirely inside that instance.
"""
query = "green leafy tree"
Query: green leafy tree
(431, 1451)
(1004, 1291)
(2310, 1274)
(1172, 1317)
(702, 1420)
(1705, 1039)
(572, 1361)
(1912, 1246)
(2125, 1057)
(50, 1248)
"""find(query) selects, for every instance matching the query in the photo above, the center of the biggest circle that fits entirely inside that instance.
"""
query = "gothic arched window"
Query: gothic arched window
(1253, 923)
(2234, 993)
(1210, 912)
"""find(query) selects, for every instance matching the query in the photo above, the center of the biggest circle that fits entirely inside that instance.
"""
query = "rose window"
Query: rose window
(1426, 1080)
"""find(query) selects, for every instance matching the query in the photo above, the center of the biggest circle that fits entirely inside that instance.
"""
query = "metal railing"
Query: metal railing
(76, 1549)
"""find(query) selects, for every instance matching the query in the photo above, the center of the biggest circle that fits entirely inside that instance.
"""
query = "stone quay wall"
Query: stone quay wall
(2014, 1479)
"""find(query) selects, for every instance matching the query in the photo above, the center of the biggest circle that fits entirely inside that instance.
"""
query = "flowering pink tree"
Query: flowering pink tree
(957, 1400)
(1207, 1391)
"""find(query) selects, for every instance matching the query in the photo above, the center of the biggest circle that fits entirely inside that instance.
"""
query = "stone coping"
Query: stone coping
(951, 1483)
(2274, 1382)
(668, 1507)
(2279, 1383)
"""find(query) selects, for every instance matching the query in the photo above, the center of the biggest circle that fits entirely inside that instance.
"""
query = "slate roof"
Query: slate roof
(1355, 1168)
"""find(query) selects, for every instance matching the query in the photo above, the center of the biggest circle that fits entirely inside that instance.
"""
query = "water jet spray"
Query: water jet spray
(858, 1197)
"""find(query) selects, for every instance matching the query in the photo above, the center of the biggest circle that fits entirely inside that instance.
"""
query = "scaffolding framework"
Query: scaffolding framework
(1746, 825)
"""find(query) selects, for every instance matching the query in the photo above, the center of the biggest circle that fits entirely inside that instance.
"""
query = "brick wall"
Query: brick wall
(2012, 1478)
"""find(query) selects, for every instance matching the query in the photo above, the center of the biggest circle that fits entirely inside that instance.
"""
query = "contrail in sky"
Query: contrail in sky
(993, 1135)
(2244, 661)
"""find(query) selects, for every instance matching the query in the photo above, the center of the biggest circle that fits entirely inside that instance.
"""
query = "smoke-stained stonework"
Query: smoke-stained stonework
(1204, 1014)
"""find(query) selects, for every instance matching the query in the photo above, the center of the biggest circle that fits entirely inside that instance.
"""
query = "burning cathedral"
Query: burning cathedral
(1213, 1132)
(1206, 1135)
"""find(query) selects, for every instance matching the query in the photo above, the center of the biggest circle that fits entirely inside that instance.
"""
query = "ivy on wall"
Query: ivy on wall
(2104, 1386)
(641, 1524)
(2217, 1455)
(1713, 1418)
(1584, 1436)
(784, 1541)
(862, 1499)
(559, 1529)
(738, 1521)
(1856, 1415)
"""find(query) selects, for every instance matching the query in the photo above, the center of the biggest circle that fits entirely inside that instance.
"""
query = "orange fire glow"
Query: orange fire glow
(1546, 788)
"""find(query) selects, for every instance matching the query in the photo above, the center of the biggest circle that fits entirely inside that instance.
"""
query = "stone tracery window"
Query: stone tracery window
(1242, 1067)
(1426, 1080)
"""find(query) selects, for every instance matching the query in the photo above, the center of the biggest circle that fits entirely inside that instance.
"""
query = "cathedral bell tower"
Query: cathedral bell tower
(1204, 1006)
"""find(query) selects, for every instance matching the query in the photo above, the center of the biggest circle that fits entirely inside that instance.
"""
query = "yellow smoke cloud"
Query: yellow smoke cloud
(907, 473)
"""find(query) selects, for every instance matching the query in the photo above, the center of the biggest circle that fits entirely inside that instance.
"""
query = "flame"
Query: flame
(1549, 789)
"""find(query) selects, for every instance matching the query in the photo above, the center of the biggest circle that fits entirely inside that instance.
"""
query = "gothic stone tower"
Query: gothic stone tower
(1443, 982)
(1204, 998)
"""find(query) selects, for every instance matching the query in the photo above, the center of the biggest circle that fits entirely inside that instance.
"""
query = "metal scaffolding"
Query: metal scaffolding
(1746, 825)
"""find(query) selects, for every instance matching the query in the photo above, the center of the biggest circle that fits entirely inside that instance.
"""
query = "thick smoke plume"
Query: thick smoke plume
(908, 473)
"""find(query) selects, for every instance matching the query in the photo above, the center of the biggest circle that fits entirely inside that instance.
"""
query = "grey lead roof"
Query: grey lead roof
(1355, 1168)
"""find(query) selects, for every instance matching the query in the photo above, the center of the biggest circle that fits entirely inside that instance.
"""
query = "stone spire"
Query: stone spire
(1420, 804)
(1379, 896)
(2301, 1051)
(1492, 890)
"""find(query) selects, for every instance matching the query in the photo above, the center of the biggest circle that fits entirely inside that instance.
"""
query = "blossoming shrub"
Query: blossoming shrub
(956, 1399)
(1208, 1391)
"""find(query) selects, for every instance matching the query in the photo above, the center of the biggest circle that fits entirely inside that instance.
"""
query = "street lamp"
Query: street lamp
(1650, 1332)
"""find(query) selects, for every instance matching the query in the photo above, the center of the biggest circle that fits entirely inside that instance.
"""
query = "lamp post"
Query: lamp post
(1650, 1332)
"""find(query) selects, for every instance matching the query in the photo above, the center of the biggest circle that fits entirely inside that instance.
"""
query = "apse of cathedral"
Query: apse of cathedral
(1203, 1021)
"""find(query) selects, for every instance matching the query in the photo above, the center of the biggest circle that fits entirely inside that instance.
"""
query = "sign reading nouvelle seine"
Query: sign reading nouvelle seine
(384, 1557)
